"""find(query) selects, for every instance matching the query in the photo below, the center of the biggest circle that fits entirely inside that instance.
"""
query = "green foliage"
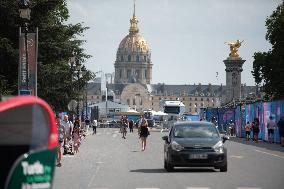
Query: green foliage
(268, 67)
(57, 42)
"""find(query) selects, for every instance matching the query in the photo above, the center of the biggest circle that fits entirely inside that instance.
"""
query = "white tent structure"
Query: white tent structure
(108, 107)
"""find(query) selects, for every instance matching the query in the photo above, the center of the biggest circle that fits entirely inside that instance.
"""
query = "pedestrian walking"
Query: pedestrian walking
(123, 128)
(76, 136)
(256, 129)
(87, 123)
(131, 125)
(280, 125)
(95, 124)
(271, 125)
(248, 128)
(61, 136)
(143, 132)
(68, 126)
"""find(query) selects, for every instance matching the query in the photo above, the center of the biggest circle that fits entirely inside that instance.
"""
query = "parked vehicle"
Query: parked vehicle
(195, 144)
(28, 143)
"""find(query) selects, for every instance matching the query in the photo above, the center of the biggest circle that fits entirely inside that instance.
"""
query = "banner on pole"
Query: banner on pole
(28, 77)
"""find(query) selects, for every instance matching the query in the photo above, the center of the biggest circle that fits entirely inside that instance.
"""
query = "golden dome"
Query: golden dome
(134, 43)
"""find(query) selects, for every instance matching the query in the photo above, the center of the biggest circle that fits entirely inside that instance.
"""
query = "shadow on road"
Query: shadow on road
(176, 170)
(260, 144)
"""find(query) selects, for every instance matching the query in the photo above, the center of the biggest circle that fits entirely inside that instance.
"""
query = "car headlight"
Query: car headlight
(176, 146)
(218, 147)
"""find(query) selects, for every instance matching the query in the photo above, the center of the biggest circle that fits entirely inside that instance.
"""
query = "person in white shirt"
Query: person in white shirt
(68, 126)
(95, 124)
(271, 125)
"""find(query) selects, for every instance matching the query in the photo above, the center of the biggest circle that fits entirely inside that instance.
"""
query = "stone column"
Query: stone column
(233, 78)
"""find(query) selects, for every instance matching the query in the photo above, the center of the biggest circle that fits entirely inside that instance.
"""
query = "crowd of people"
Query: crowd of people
(70, 136)
(141, 124)
(71, 133)
(254, 128)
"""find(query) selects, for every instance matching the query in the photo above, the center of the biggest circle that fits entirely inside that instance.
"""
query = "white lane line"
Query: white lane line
(94, 175)
(197, 188)
(270, 154)
(247, 188)
(147, 188)
(114, 135)
(238, 157)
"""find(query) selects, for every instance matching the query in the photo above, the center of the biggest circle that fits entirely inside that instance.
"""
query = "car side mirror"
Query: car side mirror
(165, 138)
(224, 138)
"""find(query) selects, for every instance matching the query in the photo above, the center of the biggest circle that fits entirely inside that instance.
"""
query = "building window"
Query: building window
(160, 98)
(170, 98)
(201, 104)
(120, 74)
(183, 99)
(190, 104)
(137, 58)
(190, 98)
(195, 104)
(195, 109)
(208, 99)
(129, 58)
(145, 73)
(141, 102)
(134, 101)
(201, 99)
(145, 58)
(189, 109)
(128, 101)
(195, 99)
(98, 97)
(128, 73)
(152, 103)
(121, 58)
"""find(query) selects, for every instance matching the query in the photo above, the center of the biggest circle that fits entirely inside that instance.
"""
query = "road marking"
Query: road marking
(270, 154)
(197, 188)
(147, 188)
(247, 188)
(238, 157)
(114, 135)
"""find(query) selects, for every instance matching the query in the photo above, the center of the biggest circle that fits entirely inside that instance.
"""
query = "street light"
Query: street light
(84, 72)
(78, 69)
(24, 10)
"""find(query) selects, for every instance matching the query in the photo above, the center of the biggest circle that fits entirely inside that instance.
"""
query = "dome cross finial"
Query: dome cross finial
(133, 22)
(134, 8)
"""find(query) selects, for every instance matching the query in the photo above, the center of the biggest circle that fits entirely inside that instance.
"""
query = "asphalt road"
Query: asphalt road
(106, 161)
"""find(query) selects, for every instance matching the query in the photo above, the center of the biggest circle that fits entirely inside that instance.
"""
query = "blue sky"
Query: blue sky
(186, 37)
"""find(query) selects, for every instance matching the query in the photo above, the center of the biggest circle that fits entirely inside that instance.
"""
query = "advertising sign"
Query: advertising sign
(28, 62)
(33, 171)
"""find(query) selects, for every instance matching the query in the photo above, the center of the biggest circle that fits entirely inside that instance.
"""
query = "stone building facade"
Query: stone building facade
(133, 81)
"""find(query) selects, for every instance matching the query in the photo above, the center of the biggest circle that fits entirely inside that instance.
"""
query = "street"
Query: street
(106, 161)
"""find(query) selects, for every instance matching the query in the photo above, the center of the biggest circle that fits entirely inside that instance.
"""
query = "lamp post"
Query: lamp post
(84, 72)
(24, 10)
(78, 69)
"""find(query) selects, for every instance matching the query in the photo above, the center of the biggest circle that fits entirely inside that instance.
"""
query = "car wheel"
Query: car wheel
(224, 168)
(169, 167)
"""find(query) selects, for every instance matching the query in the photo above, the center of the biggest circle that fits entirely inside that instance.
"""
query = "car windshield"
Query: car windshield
(172, 109)
(195, 131)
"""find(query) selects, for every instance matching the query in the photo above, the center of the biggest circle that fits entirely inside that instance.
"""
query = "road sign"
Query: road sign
(25, 92)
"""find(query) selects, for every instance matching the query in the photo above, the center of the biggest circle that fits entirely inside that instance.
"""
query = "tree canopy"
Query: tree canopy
(268, 67)
(57, 42)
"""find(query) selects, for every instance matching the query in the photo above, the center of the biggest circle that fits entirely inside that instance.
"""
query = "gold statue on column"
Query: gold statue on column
(234, 49)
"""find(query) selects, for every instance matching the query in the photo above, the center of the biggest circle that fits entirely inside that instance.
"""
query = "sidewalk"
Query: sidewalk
(260, 144)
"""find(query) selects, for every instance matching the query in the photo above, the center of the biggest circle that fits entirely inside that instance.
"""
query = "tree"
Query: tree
(56, 44)
(268, 67)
